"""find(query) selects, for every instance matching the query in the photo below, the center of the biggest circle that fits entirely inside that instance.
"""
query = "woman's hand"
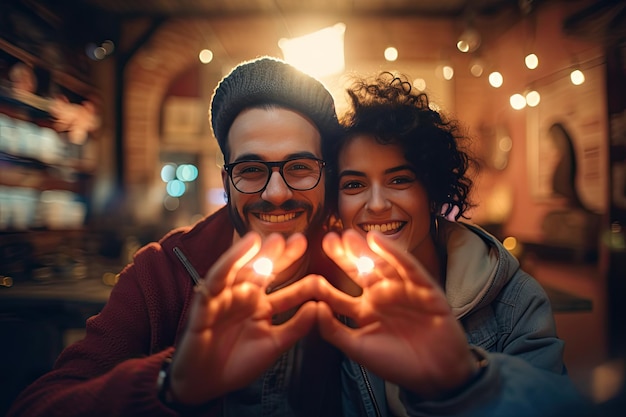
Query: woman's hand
(405, 330)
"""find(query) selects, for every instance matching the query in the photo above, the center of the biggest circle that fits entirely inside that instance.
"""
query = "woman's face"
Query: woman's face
(378, 190)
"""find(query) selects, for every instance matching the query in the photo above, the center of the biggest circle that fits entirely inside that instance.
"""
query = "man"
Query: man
(271, 122)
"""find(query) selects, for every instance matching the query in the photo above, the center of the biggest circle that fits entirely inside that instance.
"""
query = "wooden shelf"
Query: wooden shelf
(67, 166)
(60, 77)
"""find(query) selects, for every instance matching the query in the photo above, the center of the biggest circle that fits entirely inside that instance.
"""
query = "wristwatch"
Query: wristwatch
(164, 390)
(167, 397)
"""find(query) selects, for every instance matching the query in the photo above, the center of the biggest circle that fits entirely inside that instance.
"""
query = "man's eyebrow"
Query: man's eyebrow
(257, 157)
(304, 154)
(248, 157)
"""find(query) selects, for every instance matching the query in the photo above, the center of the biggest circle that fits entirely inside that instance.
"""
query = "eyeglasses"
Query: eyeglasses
(300, 174)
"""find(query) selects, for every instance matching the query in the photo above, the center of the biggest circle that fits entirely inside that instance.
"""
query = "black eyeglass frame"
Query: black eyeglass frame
(274, 164)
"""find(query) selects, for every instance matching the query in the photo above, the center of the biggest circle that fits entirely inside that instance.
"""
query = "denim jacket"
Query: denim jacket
(507, 318)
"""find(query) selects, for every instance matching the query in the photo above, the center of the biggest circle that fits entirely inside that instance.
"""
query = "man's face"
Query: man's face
(272, 135)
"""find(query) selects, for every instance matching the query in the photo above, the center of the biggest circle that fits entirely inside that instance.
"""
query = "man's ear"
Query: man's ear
(225, 179)
(225, 185)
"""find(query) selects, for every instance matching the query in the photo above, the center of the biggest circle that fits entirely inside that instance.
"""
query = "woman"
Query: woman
(446, 322)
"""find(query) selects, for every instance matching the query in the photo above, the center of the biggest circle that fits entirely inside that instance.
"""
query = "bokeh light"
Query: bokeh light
(495, 79)
(531, 61)
(175, 188)
(517, 101)
(365, 265)
(263, 266)
(391, 54)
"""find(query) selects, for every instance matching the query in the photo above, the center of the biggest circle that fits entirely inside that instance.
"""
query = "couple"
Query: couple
(444, 324)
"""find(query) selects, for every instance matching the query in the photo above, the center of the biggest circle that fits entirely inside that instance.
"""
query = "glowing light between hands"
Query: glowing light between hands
(263, 266)
(365, 265)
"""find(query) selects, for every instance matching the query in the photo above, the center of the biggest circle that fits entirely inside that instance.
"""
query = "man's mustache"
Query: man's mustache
(267, 207)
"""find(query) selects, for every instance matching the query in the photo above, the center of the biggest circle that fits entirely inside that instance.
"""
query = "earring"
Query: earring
(449, 211)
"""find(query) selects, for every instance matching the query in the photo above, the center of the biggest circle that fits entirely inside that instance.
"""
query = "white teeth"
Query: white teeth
(386, 227)
(272, 218)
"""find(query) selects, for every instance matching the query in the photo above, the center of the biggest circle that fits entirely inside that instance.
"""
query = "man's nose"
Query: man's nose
(277, 191)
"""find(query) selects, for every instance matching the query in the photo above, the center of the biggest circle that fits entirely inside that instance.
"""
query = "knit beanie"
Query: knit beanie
(268, 80)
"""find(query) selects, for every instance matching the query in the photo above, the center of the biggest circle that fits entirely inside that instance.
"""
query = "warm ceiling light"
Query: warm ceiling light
(319, 53)
(391, 54)
(531, 61)
(517, 101)
(469, 41)
(495, 79)
(532, 98)
(577, 77)
(205, 56)
(420, 84)
(477, 67)
(447, 72)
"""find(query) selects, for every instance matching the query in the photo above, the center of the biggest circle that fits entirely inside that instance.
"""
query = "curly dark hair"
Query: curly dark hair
(387, 107)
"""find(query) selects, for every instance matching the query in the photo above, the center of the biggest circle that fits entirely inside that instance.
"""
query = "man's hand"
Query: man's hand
(230, 339)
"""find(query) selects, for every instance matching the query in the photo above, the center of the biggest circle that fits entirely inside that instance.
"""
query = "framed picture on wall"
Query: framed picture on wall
(567, 141)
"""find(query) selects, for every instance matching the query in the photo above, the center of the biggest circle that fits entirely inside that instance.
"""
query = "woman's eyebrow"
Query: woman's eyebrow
(351, 173)
(387, 171)
(399, 168)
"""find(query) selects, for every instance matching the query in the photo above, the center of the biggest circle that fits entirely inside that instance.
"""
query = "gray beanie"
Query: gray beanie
(268, 80)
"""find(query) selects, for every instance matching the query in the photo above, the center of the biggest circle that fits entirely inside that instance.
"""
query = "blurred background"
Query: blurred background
(105, 142)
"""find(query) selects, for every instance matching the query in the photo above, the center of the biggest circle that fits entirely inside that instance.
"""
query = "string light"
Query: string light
(532, 98)
(469, 41)
(391, 54)
(495, 79)
(517, 101)
(531, 61)
(477, 66)
(448, 72)
(205, 56)
(577, 77)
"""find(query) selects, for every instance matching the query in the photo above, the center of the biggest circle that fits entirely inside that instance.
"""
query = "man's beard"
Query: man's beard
(315, 216)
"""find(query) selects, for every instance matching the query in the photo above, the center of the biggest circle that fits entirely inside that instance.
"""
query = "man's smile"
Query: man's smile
(277, 218)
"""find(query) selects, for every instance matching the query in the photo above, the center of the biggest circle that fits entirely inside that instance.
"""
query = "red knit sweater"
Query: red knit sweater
(113, 370)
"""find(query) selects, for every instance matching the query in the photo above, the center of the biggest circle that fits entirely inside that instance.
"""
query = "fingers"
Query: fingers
(271, 248)
(404, 263)
(313, 287)
(227, 266)
(420, 286)
(282, 254)
(346, 252)
(332, 330)
(288, 333)
(294, 249)
(295, 294)
(237, 264)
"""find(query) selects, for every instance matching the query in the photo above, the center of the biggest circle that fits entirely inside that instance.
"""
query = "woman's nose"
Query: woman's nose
(377, 200)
